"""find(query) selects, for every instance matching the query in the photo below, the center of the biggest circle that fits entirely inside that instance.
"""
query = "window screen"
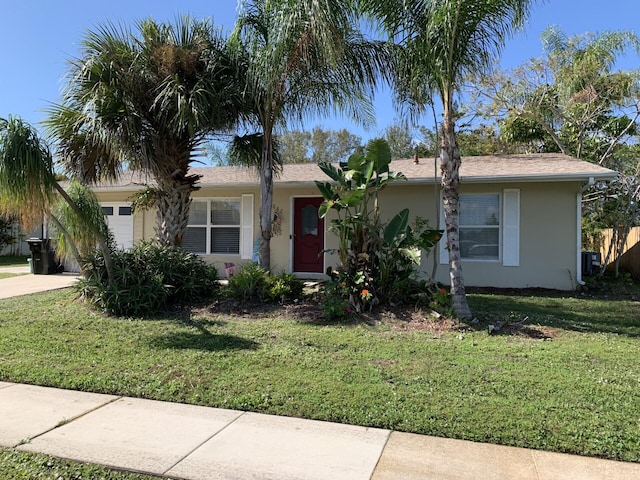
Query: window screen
(225, 212)
(225, 240)
(198, 213)
(214, 227)
(480, 226)
(195, 240)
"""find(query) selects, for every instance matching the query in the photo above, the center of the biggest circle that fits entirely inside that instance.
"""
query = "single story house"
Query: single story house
(520, 220)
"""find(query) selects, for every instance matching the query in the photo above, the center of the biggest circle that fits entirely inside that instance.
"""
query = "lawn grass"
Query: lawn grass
(13, 261)
(16, 465)
(566, 380)
(8, 275)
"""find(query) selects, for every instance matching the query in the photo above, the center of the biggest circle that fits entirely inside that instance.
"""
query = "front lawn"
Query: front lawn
(564, 376)
(13, 261)
(8, 275)
(16, 465)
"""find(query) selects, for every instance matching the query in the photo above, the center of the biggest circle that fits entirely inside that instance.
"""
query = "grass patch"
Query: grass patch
(16, 465)
(617, 313)
(565, 380)
(9, 275)
(13, 261)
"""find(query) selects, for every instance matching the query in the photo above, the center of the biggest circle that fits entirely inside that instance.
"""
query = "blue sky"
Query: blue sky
(39, 36)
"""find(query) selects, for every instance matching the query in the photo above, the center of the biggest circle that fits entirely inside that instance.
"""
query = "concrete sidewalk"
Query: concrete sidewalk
(190, 442)
(25, 283)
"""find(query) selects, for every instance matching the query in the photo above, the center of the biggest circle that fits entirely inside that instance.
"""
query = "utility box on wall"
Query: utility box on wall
(591, 263)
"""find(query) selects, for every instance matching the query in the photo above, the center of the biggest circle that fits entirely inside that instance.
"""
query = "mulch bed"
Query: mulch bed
(398, 318)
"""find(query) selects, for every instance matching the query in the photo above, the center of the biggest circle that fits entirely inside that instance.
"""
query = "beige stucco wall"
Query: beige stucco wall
(548, 240)
(548, 230)
(119, 196)
(420, 201)
(548, 234)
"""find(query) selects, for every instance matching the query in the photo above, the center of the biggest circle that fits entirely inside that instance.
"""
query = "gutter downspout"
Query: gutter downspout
(586, 186)
(579, 280)
(436, 204)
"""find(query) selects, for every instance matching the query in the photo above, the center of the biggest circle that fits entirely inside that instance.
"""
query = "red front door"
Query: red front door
(308, 236)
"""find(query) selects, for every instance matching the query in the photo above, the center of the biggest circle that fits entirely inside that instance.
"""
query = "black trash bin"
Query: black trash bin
(42, 257)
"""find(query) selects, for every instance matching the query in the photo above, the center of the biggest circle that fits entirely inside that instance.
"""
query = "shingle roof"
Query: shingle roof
(482, 169)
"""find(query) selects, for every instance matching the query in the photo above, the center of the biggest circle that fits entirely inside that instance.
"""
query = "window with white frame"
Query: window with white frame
(214, 227)
(489, 228)
(480, 226)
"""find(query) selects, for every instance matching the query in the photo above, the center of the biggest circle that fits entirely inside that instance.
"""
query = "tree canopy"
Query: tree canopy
(29, 192)
(302, 58)
(575, 100)
(443, 42)
(146, 100)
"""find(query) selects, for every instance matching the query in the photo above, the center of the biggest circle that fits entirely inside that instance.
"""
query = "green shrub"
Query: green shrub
(187, 276)
(253, 282)
(335, 306)
(441, 302)
(146, 279)
(248, 283)
(285, 286)
(6, 237)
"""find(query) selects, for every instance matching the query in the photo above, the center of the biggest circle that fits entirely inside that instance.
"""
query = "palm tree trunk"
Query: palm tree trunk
(450, 169)
(173, 204)
(266, 200)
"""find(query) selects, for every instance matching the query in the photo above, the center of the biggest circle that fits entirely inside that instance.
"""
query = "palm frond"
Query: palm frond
(27, 179)
(86, 231)
(309, 58)
(248, 150)
(138, 96)
(445, 41)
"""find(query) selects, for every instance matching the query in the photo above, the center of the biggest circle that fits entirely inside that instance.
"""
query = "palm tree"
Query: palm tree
(444, 42)
(29, 191)
(148, 102)
(301, 58)
(27, 182)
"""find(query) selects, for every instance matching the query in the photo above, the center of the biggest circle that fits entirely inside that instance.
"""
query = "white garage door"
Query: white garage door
(120, 222)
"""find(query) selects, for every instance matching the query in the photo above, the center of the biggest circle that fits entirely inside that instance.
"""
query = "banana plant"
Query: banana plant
(371, 254)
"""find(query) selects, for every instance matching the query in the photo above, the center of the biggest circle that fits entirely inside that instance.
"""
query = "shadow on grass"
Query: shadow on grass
(560, 310)
(352, 321)
(202, 338)
(204, 341)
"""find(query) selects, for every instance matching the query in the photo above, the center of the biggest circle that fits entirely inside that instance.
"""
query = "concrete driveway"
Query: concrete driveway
(26, 283)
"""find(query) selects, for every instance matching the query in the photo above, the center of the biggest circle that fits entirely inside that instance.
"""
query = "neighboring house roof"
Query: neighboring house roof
(543, 167)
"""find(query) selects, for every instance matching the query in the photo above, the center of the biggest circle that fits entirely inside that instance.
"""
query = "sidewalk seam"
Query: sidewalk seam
(384, 447)
(66, 421)
(535, 465)
(242, 414)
